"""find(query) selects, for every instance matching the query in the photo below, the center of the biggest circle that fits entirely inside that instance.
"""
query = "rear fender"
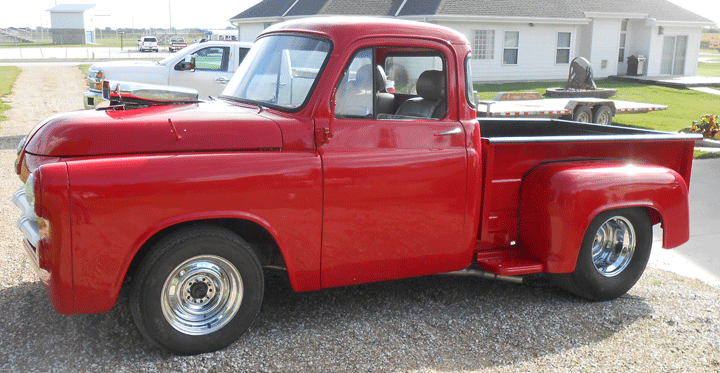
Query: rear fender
(559, 200)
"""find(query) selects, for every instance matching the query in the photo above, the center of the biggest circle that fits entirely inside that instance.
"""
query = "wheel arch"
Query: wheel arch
(559, 200)
(256, 232)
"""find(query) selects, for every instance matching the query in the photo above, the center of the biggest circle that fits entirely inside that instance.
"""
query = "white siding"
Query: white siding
(654, 61)
(67, 20)
(536, 52)
(583, 41)
(605, 45)
(249, 31)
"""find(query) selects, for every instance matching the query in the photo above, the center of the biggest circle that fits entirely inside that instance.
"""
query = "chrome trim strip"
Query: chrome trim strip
(152, 92)
(589, 138)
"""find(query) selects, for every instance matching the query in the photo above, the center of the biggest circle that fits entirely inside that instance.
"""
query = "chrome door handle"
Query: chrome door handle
(453, 131)
(222, 80)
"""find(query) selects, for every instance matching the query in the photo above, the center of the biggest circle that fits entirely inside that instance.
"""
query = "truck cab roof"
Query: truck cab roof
(347, 29)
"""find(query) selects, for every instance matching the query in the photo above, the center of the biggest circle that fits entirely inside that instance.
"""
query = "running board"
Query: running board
(507, 263)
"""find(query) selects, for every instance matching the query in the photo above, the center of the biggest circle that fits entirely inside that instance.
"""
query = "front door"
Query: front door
(673, 57)
(395, 188)
(211, 72)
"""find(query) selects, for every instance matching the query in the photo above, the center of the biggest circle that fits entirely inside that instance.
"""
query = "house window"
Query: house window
(510, 47)
(562, 55)
(484, 45)
(623, 37)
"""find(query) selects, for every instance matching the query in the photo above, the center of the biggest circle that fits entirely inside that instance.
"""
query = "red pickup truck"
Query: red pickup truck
(306, 163)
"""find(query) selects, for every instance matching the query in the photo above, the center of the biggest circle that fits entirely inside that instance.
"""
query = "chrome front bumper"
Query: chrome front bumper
(28, 223)
(91, 99)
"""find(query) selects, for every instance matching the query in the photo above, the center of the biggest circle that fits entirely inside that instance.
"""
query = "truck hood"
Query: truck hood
(123, 65)
(205, 126)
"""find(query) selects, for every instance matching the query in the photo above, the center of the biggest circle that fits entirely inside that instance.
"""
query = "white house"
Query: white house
(70, 25)
(521, 40)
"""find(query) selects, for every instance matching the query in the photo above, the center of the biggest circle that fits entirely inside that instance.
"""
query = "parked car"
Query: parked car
(213, 64)
(177, 43)
(148, 43)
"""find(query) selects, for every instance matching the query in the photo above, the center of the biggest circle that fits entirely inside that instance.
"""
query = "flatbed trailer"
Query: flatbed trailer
(581, 109)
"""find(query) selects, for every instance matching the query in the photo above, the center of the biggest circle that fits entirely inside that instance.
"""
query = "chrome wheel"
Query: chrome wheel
(614, 246)
(201, 295)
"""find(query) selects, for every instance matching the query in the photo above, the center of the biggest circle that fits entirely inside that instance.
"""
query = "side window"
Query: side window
(470, 93)
(212, 59)
(562, 55)
(354, 97)
(405, 70)
(242, 52)
(510, 47)
(420, 82)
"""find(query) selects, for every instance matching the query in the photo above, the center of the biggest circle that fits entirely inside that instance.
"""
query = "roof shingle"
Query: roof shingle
(661, 10)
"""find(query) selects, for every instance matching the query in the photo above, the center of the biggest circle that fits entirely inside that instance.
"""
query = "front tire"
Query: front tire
(197, 291)
(613, 255)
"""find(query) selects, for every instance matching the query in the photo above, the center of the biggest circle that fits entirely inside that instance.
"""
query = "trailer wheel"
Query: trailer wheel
(197, 291)
(582, 114)
(613, 255)
(603, 115)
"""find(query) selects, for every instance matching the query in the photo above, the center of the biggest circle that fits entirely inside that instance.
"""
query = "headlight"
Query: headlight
(21, 145)
(20, 148)
(30, 189)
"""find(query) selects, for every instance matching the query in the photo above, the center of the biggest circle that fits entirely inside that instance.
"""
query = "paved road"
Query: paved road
(700, 257)
(77, 53)
(704, 245)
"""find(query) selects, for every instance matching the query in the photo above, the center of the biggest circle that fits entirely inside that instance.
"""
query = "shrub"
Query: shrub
(708, 126)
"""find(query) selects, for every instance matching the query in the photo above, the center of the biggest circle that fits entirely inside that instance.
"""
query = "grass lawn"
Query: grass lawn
(705, 155)
(85, 69)
(709, 69)
(684, 105)
(8, 75)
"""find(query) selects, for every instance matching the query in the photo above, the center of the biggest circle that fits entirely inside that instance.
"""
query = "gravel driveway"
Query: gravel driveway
(666, 323)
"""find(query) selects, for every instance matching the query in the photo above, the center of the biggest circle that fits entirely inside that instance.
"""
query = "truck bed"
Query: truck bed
(510, 148)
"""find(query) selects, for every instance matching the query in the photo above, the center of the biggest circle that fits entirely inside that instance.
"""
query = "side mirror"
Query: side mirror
(188, 64)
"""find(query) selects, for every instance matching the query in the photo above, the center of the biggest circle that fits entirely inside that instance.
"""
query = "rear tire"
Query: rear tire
(198, 290)
(613, 255)
(603, 115)
(583, 114)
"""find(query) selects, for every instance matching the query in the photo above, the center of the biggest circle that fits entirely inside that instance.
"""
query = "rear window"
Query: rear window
(150, 40)
(177, 40)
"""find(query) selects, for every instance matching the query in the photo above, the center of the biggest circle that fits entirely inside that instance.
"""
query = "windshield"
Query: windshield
(279, 71)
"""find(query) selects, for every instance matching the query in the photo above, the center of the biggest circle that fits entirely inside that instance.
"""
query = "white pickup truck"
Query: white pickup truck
(206, 67)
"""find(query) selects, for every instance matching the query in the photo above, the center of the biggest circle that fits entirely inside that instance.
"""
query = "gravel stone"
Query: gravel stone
(443, 323)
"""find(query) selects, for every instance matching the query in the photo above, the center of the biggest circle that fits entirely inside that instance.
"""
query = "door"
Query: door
(674, 54)
(211, 72)
(394, 190)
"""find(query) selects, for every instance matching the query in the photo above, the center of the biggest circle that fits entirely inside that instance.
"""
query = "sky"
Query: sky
(208, 14)
(205, 14)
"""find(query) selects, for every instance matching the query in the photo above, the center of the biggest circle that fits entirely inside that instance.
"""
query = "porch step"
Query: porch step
(507, 263)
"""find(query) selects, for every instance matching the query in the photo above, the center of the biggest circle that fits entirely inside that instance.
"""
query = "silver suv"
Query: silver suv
(148, 43)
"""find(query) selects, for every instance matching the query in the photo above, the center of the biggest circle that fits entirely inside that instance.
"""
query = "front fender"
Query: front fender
(559, 200)
(118, 203)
